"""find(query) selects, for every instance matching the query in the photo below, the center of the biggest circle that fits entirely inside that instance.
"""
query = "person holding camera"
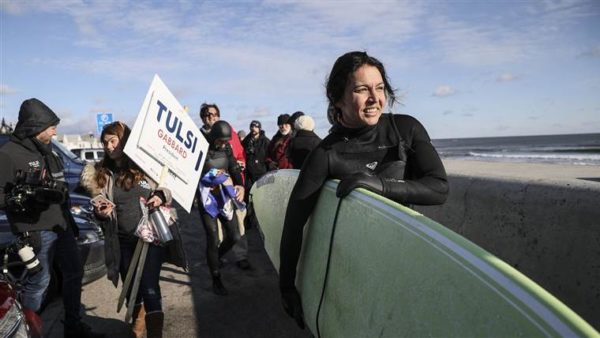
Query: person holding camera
(34, 194)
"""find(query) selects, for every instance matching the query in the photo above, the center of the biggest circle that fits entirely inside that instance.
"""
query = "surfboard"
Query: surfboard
(394, 272)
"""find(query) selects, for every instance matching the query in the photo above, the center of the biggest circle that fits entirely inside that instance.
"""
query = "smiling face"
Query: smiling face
(363, 99)
(211, 116)
(112, 146)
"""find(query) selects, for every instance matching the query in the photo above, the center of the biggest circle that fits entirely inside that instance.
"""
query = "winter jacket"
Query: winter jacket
(256, 154)
(301, 145)
(23, 153)
(112, 252)
(276, 152)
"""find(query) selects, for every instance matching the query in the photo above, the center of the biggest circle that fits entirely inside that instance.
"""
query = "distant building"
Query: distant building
(70, 141)
(79, 141)
(6, 128)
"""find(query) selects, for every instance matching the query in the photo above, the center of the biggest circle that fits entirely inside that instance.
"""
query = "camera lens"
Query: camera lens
(28, 257)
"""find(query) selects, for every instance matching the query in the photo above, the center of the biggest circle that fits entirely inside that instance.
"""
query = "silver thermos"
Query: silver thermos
(160, 225)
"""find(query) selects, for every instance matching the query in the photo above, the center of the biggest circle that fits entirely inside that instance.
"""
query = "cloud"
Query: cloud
(591, 53)
(447, 112)
(507, 77)
(444, 91)
(6, 90)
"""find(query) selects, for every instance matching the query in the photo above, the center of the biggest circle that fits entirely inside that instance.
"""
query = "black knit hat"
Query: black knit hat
(283, 119)
(295, 116)
(255, 123)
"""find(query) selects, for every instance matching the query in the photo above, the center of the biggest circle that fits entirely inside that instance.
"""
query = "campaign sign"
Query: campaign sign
(166, 143)
(102, 119)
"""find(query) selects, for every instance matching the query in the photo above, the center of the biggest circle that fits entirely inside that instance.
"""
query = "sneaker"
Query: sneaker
(244, 264)
(81, 330)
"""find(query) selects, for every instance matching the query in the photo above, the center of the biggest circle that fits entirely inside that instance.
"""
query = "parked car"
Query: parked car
(73, 164)
(90, 243)
(15, 321)
(89, 155)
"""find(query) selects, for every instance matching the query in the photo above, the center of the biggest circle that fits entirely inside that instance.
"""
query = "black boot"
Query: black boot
(154, 324)
(218, 287)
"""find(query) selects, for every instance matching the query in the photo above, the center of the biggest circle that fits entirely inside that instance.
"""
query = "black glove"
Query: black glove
(359, 180)
(293, 305)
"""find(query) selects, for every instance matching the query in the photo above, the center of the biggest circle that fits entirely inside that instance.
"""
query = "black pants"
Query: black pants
(231, 236)
(69, 261)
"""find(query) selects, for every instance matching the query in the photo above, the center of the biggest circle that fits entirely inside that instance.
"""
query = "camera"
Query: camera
(27, 255)
(32, 188)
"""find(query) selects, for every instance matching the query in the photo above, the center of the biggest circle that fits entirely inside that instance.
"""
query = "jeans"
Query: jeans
(149, 289)
(34, 286)
(62, 246)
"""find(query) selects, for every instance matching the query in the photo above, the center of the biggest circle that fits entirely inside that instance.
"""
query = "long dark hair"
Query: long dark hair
(345, 66)
(128, 173)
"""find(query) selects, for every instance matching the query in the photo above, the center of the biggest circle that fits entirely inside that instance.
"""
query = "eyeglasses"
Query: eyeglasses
(210, 115)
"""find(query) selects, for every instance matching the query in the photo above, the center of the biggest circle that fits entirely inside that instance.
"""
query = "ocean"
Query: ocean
(573, 149)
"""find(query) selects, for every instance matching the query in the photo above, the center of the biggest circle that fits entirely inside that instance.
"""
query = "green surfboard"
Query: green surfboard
(395, 272)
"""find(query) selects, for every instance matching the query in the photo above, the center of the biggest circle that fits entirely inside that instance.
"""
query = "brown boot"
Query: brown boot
(154, 324)
(138, 322)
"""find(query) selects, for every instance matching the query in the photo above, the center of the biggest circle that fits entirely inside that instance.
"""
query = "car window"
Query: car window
(100, 154)
(64, 151)
(89, 155)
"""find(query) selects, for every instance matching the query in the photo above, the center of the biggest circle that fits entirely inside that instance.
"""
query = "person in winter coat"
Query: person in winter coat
(276, 151)
(220, 194)
(48, 225)
(255, 146)
(388, 154)
(124, 184)
(303, 142)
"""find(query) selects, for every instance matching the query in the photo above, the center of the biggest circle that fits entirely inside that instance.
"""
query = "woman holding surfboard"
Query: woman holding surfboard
(391, 155)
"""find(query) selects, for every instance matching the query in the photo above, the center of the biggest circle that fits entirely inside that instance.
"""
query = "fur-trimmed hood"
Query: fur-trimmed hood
(88, 180)
(89, 183)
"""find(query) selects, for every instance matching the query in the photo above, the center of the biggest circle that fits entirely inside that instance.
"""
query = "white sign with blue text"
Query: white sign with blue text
(165, 136)
(103, 119)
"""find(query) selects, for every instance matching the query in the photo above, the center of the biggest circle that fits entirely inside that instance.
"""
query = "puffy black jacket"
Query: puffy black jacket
(256, 154)
(23, 153)
(301, 145)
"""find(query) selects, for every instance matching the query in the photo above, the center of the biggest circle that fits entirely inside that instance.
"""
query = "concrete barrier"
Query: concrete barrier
(545, 225)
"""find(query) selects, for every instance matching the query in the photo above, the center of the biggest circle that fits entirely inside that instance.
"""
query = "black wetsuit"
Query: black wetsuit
(399, 152)
(220, 159)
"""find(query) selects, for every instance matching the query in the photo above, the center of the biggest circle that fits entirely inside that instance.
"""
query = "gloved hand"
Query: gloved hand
(272, 166)
(293, 305)
(359, 180)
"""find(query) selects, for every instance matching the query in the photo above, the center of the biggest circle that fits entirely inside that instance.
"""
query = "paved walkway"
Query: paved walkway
(252, 308)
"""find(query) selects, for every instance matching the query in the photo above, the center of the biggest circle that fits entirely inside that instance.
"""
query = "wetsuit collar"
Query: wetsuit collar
(351, 132)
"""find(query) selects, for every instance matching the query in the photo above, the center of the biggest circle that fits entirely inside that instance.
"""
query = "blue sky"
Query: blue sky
(463, 68)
